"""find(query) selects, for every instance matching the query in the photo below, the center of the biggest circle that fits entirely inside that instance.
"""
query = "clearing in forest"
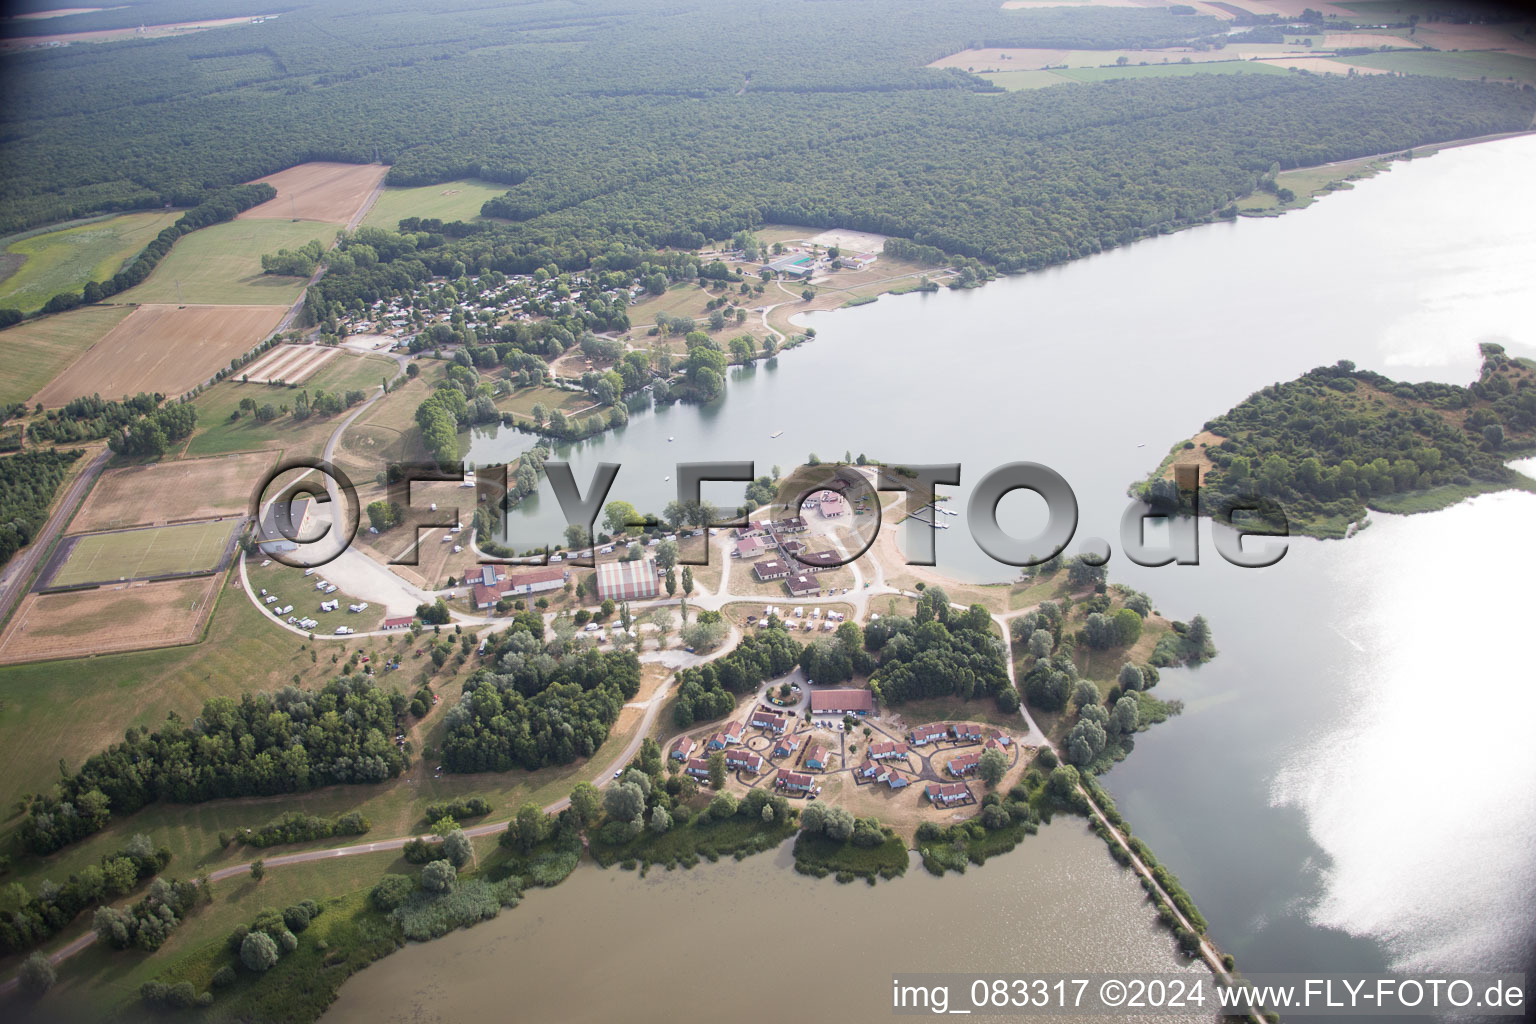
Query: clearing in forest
(319, 191)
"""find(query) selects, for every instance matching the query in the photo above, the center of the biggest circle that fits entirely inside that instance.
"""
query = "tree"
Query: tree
(838, 824)
(258, 952)
(1126, 716)
(660, 821)
(717, 770)
(439, 876)
(992, 766)
(457, 847)
(258, 869)
(813, 818)
(36, 975)
(1130, 678)
(666, 554)
(687, 581)
(671, 582)
(1127, 625)
(383, 514)
(1086, 741)
(1041, 643)
(391, 891)
(625, 801)
(1084, 694)
(617, 515)
(576, 536)
(586, 802)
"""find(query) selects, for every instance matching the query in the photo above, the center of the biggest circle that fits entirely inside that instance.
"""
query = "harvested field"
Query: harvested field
(166, 491)
(291, 364)
(1334, 40)
(319, 191)
(112, 35)
(1021, 59)
(1207, 67)
(1491, 64)
(37, 351)
(1320, 66)
(123, 617)
(163, 348)
(137, 554)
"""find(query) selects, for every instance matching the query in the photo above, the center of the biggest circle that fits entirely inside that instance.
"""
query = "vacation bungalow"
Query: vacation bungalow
(762, 718)
(887, 749)
(744, 760)
(773, 569)
(750, 547)
(683, 749)
(698, 768)
(796, 783)
(926, 734)
(891, 777)
(793, 524)
(964, 764)
(734, 732)
(816, 757)
(842, 702)
(868, 770)
(786, 746)
(947, 794)
(966, 731)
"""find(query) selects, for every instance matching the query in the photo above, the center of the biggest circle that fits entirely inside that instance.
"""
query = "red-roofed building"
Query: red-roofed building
(399, 622)
(795, 782)
(803, 585)
(627, 581)
(750, 547)
(745, 760)
(964, 764)
(842, 702)
(698, 768)
(683, 749)
(947, 794)
(966, 731)
(733, 732)
(786, 746)
(887, 749)
(891, 777)
(533, 581)
(765, 719)
(485, 597)
(816, 757)
(868, 770)
(926, 734)
(773, 569)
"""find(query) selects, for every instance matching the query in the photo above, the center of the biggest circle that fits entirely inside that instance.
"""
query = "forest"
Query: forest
(28, 482)
(679, 122)
(939, 652)
(1336, 440)
(536, 709)
(285, 742)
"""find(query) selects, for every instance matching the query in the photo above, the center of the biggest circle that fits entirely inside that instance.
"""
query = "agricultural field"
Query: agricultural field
(1132, 71)
(122, 617)
(218, 434)
(1490, 64)
(140, 553)
(450, 201)
(162, 348)
(328, 192)
(37, 351)
(42, 265)
(289, 364)
(221, 265)
(162, 491)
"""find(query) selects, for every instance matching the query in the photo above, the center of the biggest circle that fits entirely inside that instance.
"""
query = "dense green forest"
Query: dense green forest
(939, 652)
(682, 120)
(1337, 440)
(28, 481)
(285, 742)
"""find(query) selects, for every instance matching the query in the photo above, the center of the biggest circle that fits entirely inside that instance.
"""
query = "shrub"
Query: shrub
(439, 876)
(391, 891)
(224, 977)
(258, 952)
(37, 975)
(296, 918)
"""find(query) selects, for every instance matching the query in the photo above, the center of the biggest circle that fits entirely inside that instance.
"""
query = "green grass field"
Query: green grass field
(63, 261)
(221, 265)
(1463, 64)
(217, 434)
(1133, 71)
(430, 201)
(37, 351)
(131, 554)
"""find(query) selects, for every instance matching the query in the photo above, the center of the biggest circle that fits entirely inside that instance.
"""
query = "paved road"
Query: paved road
(13, 582)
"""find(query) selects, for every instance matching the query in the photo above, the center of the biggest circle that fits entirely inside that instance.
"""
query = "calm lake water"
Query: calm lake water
(768, 943)
(1348, 788)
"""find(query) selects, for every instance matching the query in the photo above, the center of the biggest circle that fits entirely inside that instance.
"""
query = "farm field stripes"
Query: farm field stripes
(172, 490)
(125, 617)
(142, 553)
(288, 363)
(162, 348)
(37, 351)
(52, 262)
(319, 191)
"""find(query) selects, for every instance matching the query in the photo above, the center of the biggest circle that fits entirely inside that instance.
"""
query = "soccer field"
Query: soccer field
(134, 554)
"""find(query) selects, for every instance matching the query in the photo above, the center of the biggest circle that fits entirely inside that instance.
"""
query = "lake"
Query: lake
(1348, 788)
